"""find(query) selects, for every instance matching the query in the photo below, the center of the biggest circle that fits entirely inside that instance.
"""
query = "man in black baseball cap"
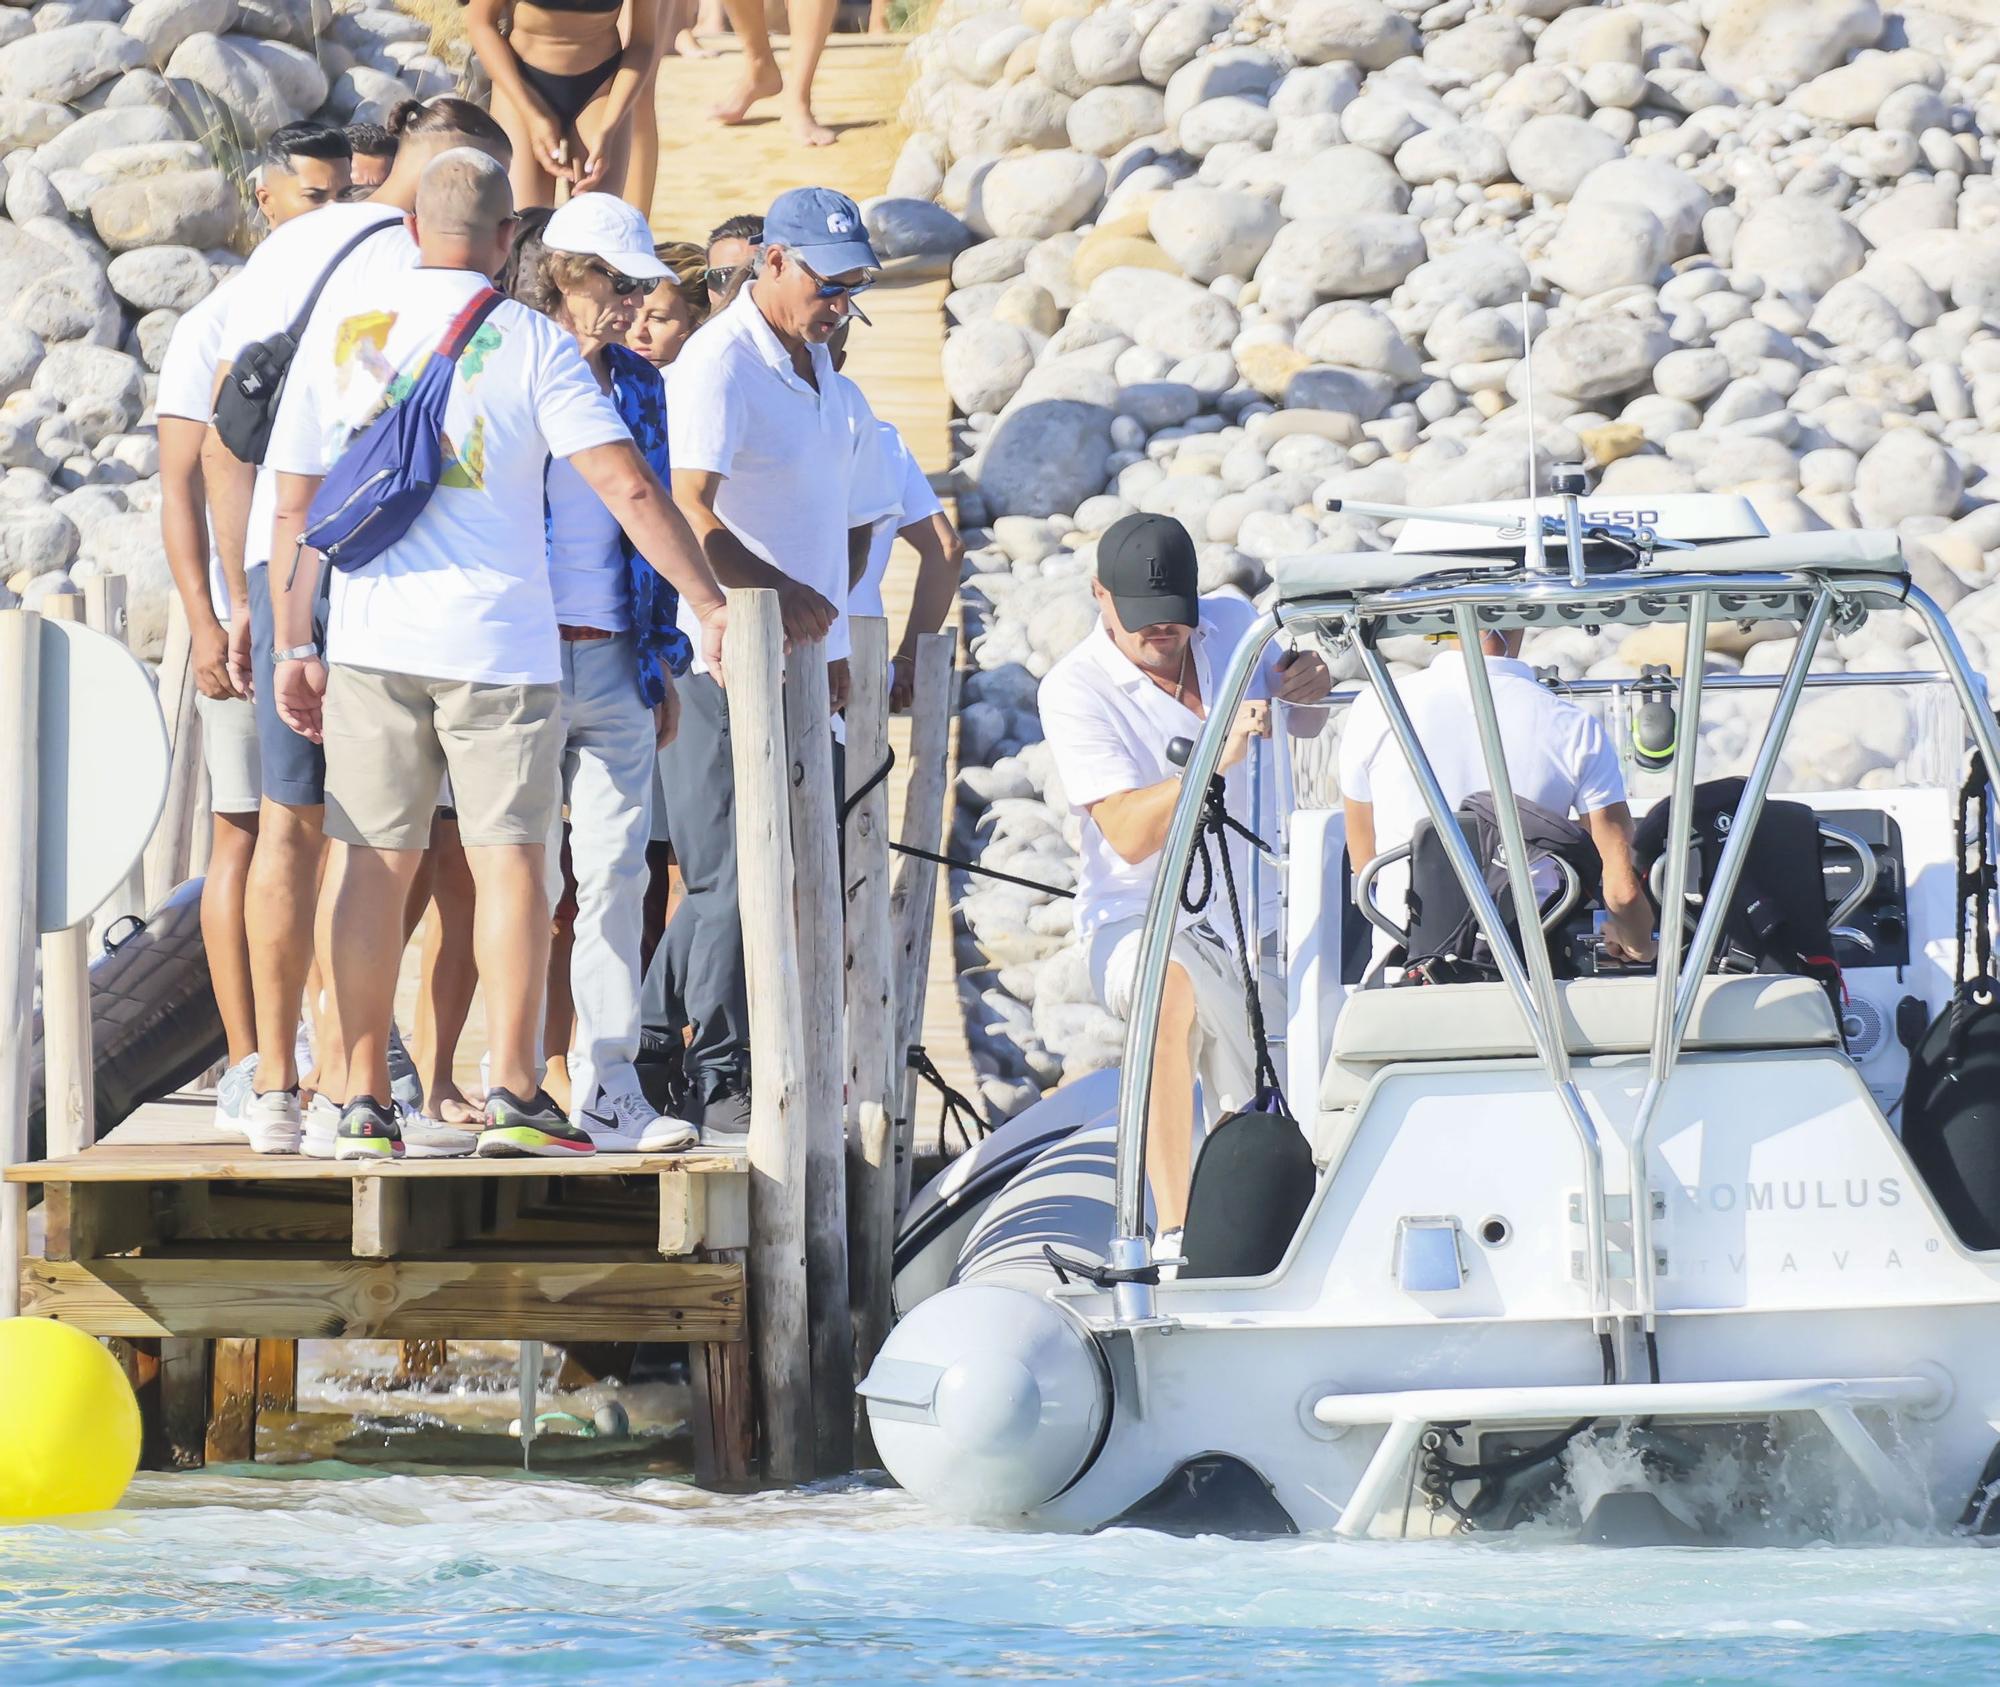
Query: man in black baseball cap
(1143, 677)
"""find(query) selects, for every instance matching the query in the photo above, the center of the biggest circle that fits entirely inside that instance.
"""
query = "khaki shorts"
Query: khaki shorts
(390, 738)
(229, 747)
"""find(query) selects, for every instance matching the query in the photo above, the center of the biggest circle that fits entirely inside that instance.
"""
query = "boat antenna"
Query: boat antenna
(1538, 562)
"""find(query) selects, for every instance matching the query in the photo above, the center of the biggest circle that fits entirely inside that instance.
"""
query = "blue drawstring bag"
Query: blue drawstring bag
(386, 476)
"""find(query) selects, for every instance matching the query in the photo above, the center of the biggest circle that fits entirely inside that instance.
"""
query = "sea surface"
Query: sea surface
(327, 1573)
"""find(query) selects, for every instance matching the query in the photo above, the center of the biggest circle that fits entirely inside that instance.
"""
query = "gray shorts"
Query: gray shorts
(229, 747)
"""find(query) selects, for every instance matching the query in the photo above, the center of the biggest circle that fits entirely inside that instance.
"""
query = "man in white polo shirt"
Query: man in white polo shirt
(772, 455)
(1559, 757)
(442, 651)
(1110, 708)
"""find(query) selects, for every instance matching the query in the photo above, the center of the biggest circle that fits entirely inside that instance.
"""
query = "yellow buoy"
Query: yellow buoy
(69, 1423)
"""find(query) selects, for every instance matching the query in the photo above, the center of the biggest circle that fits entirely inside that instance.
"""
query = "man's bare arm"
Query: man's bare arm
(1360, 832)
(1134, 823)
(184, 532)
(1625, 898)
(807, 615)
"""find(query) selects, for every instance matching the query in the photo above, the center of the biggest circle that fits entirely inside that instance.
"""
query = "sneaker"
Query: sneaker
(625, 1122)
(302, 1048)
(232, 1097)
(368, 1131)
(725, 1120)
(321, 1135)
(536, 1126)
(271, 1121)
(1167, 1254)
(406, 1089)
(425, 1138)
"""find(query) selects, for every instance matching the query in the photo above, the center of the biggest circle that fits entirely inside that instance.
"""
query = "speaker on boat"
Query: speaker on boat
(153, 1021)
(987, 1402)
(1951, 1112)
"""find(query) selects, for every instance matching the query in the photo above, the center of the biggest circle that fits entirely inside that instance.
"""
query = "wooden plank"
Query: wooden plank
(20, 778)
(416, 1360)
(170, 854)
(86, 1221)
(232, 1412)
(104, 611)
(725, 1424)
(870, 996)
(502, 1300)
(278, 1376)
(224, 1161)
(683, 1213)
(381, 1214)
(69, 1071)
(183, 1400)
(754, 659)
(816, 899)
(912, 901)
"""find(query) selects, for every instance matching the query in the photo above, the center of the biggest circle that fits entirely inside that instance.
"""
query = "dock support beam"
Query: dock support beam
(20, 778)
(753, 660)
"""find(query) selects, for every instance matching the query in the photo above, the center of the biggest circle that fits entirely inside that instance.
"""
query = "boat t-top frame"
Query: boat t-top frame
(1354, 600)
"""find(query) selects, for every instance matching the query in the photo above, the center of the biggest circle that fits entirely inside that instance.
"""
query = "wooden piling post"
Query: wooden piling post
(816, 896)
(169, 855)
(20, 778)
(753, 665)
(69, 1079)
(872, 1090)
(104, 612)
(913, 902)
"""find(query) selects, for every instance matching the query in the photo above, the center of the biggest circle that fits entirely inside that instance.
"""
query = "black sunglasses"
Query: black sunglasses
(717, 280)
(624, 285)
(844, 291)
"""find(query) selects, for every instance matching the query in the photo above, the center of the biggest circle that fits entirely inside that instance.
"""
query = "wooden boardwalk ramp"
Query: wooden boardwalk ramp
(708, 173)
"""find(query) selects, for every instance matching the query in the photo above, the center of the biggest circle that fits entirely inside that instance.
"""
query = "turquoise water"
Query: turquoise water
(329, 1575)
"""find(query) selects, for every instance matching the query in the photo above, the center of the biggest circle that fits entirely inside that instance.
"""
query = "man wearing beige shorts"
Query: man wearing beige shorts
(442, 652)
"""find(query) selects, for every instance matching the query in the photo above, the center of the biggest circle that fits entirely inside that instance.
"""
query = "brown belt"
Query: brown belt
(580, 635)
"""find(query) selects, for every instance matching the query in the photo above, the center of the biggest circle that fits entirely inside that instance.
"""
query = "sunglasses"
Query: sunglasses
(717, 280)
(624, 285)
(842, 290)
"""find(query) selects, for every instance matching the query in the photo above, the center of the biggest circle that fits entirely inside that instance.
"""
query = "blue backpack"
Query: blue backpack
(386, 476)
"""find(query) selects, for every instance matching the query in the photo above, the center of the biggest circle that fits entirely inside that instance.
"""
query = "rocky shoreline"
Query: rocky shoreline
(1224, 261)
(122, 136)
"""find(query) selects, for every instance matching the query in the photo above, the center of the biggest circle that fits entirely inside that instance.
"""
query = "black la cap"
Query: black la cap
(1147, 564)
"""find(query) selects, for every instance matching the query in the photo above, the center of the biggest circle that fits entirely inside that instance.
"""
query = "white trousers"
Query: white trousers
(607, 777)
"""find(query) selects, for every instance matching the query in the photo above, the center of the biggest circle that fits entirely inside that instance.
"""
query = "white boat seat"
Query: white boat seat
(1379, 1028)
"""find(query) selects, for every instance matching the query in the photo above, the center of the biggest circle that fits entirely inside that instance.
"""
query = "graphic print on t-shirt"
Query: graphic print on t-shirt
(359, 347)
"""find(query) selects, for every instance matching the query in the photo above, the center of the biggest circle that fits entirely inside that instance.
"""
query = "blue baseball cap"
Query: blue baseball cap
(823, 227)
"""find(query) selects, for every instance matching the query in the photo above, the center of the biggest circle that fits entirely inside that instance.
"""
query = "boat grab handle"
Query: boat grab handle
(1371, 910)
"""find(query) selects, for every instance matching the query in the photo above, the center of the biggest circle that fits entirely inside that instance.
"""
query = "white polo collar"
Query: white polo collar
(772, 349)
(1127, 674)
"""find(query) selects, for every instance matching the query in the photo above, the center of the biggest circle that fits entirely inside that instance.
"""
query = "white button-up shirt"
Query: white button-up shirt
(797, 464)
(1109, 726)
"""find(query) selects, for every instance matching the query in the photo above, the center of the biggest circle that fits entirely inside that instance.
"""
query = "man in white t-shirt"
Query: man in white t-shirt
(304, 167)
(265, 299)
(1110, 708)
(1559, 757)
(442, 652)
(918, 519)
(771, 451)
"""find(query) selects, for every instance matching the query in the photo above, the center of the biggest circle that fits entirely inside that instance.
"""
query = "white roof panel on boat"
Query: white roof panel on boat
(1859, 549)
(1337, 573)
(1693, 517)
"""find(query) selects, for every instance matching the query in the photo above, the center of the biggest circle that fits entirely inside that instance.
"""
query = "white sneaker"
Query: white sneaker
(625, 1122)
(1167, 1255)
(319, 1138)
(232, 1097)
(425, 1138)
(302, 1048)
(271, 1121)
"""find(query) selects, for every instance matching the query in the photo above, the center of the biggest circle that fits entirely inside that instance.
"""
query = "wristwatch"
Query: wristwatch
(297, 653)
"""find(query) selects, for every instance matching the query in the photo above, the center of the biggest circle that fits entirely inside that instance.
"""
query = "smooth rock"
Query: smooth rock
(1346, 181)
(1781, 43)
(1229, 70)
(984, 365)
(1105, 48)
(1178, 36)
(190, 208)
(63, 64)
(1606, 247)
(1211, 232)
(1461, 153)
(1363, 255)
(1692, 375)
(1108, 119)
(93, 383)
(1907, 474)
(1798, 246)
(1043, 194)
(1358, 337)
(262, 84)
(1232, 119)
(901, 228)
(1364, 31)
(1045, 456)
(160, 26)
(1671, 194)
(1599, 357)
(1355, 392)
(74, 302)
(1552, 155)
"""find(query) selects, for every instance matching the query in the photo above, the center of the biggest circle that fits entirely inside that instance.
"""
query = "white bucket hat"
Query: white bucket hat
(601, 225)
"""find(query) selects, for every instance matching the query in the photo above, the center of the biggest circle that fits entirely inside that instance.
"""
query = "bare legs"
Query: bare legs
(1170, 1117)
(812, 22)
(559, 1021)
(617, 148)
(449, 977)
(531, 183)
(510, 940)
(222, 932)
(361, 915)
(279, 893)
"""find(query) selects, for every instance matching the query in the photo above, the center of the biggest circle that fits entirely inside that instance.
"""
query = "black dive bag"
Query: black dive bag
(1951, 1099)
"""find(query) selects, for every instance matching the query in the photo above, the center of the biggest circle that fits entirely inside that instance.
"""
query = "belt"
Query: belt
(582, 635)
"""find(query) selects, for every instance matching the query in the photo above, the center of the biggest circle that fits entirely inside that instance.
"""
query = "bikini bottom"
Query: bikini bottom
(566, 96)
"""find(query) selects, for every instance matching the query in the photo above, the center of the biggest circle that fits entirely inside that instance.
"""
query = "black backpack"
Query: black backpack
(246, 405)
(1777, 921)
(1445, 945)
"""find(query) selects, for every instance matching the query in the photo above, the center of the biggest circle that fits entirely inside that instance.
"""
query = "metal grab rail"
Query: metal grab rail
(1371, 910)
(1867, 874)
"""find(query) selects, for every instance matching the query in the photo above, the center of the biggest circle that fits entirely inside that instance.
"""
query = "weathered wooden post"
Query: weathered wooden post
(753, 666)
(20, 778)
(170, 853)
(68, 1074)
(872, 1089)
(913, 902)
(816, 892)
(104, 612)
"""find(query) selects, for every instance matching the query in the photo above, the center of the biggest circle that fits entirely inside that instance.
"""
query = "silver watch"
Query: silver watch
(297, 653)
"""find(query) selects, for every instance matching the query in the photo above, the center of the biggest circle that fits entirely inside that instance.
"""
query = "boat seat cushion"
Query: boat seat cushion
(1379, 1028)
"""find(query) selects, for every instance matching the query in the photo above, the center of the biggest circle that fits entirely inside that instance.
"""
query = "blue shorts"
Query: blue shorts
(294, 768)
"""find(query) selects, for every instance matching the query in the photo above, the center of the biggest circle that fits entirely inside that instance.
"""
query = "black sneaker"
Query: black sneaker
(368, 1131)
(662, 1071)
(537, 1127)
(725, 1120)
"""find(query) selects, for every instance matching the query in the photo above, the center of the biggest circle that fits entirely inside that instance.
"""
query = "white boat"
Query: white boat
(1455, 1335)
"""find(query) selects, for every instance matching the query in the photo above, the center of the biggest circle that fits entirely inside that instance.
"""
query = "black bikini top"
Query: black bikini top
(574, 5)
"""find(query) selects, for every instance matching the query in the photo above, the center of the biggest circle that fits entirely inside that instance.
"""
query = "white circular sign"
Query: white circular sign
(104, 761)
